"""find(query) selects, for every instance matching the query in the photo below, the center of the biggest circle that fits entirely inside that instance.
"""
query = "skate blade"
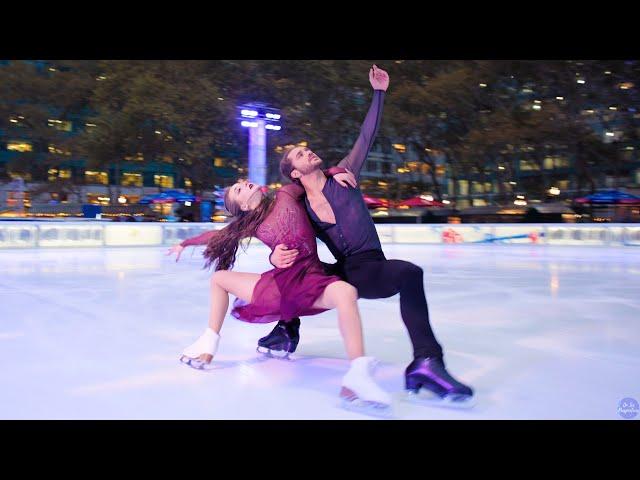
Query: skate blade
(278, 354)
(430, 399)
(372, 409)
(195, 363)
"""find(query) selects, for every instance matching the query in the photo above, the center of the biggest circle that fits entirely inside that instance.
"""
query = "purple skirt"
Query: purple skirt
(285, 293)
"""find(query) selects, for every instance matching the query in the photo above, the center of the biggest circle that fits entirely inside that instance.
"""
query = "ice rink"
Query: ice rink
(539, 332)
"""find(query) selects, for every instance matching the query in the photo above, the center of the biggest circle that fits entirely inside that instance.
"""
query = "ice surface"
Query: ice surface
(539, 332)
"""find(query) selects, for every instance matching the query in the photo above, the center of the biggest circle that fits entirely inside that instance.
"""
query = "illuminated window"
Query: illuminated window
(58, 151)
(400, 147)
(131, 179)
(555, 162)
(55, 173)
(98, 199)
(18, 146)
(187, 183)
(463, 187)
(548, 163)
(164, 181)
(62, 125)
(218, 162)
(441, 170)
(128, 199)
(138, 157)
(528, 165)
(92, 177)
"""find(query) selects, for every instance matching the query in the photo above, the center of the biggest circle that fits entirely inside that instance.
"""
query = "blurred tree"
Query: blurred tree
(39, 101)
(431, 107)
(473, 115)
(170, 111)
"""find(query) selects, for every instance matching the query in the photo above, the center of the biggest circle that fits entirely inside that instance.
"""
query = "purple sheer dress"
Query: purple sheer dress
(284, 293)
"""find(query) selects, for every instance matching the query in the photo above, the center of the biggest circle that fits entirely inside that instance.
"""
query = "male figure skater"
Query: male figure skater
(342, 221)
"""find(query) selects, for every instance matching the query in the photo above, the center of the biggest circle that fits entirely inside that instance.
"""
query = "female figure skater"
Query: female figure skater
(301, 289)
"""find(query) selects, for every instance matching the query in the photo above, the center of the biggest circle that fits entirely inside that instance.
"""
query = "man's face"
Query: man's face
(304, 161)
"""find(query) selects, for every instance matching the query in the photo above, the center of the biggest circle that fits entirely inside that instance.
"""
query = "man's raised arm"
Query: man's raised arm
(354, 161)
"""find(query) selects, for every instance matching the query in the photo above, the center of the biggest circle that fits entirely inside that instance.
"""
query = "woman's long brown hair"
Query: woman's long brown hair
(223, 247)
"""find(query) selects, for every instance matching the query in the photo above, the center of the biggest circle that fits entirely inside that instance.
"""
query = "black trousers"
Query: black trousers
(376, 277)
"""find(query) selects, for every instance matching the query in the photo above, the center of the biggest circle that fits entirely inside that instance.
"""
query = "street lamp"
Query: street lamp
(258, 118)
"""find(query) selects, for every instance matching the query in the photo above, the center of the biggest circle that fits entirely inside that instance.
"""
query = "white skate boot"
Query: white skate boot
(360, 392)
(199, 354)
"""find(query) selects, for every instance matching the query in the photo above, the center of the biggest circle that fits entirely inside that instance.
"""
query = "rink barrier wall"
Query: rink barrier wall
(86, 234)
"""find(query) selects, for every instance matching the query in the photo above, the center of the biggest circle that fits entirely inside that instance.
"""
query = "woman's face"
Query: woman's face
(246, 195)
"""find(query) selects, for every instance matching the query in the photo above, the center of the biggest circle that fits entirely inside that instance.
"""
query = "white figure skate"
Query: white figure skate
(199, 354)
(360, 393)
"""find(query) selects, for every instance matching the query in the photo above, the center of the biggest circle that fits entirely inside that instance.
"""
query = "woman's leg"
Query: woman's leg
(359, 389)
(224, 282)
(344, 297)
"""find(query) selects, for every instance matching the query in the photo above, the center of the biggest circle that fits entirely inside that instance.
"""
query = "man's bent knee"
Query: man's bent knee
(413, 270)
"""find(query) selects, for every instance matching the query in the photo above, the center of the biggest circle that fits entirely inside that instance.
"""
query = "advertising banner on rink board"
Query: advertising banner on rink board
(89, 234)
(416, 234)
(631, 236)
(13, 235)
(385, 232)
(526, 234)
(132, 235)
(174, 234)
(578, 235)
(463, 233)
(443, 233)
(82, 235)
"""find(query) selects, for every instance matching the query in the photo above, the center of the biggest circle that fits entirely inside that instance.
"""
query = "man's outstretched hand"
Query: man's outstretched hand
(282, 256)
(379, 78)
